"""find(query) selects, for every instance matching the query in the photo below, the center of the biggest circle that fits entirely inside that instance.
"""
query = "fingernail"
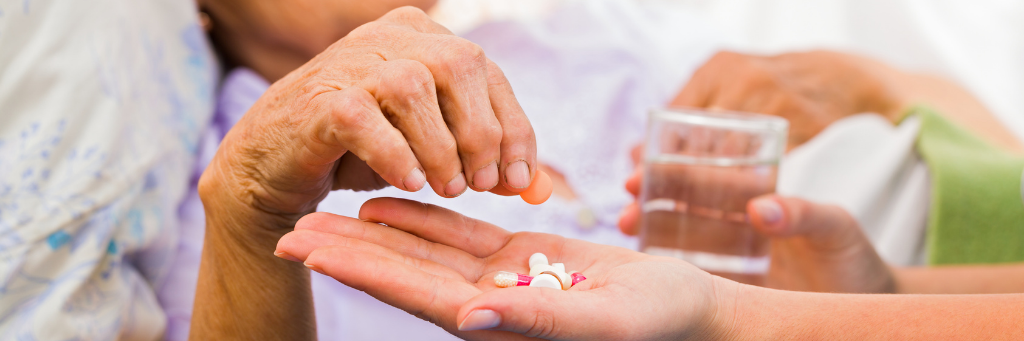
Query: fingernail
(517, 174)
(487, 177)
(480, 319)
(285, 255)
(313, 267)
(769, 211)
(415, 180)
(456, 187)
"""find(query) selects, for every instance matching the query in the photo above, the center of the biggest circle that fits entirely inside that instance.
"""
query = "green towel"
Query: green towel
(976, 214)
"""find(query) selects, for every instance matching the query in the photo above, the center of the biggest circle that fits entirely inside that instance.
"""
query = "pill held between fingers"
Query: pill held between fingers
(546, 281)
(539, 191)
(538, 258)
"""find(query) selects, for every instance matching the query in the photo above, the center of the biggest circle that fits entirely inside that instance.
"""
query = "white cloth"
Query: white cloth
(867, 166)
(101, 105)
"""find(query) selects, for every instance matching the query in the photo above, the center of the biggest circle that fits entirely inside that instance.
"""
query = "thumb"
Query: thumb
(824, 225)
(534, 312)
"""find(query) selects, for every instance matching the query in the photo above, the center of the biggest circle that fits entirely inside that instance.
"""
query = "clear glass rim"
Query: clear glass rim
(738, 120)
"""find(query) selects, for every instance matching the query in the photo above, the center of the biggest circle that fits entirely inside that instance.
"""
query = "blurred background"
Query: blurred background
(979, 44)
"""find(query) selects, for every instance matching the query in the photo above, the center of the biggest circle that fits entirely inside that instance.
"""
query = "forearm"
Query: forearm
(245, 292)
(954, 102)
(767, 314)
(991, 279)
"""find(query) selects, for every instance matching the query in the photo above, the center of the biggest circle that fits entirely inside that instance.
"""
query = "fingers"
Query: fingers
(407, 94)
(459, 70)
(518, 144)
(629, 219)
(827, 225)
(636, 154)
(356, 123)
(437, 224)
(400, 241)
(420, 293)
(299, 244)
(635, 181)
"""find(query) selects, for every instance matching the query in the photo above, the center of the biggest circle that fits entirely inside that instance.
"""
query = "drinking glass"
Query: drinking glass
(700, 170)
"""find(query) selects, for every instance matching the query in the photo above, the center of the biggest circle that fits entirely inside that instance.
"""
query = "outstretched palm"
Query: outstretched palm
(439, 265)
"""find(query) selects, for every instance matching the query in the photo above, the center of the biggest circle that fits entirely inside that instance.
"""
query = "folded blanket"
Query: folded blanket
(976, 214)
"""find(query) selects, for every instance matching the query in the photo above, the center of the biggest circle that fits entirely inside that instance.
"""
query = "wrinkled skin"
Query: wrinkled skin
(810, 89)
(399, 101)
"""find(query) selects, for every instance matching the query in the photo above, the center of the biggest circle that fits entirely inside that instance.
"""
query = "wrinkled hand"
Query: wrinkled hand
(810, 89)
(398, 101)
(439, 266)
(813, 247)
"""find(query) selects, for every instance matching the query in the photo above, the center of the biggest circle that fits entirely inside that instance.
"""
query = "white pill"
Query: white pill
(546, 281)
(559, 266)
(563, 278)
(537, 269)
(538, 258)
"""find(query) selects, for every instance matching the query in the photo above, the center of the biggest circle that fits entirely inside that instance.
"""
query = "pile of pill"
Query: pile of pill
(542, 275)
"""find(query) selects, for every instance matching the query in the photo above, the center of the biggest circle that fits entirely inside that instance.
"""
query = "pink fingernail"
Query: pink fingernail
(456, 187)
(313, 267)
(480, 319)
(487, 177)
(769, 211)
(285, 255)
(517, 174)
(415, 180)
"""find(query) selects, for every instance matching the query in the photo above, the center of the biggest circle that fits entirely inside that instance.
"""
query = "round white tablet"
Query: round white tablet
(546, 281)
(538, 258)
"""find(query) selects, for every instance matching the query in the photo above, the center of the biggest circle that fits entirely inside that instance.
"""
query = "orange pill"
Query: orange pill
(539, 190)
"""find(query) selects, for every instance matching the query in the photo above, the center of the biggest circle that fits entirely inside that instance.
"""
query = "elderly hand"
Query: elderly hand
(813, 247)
(810, 89)
(398, 101)
(439, 266)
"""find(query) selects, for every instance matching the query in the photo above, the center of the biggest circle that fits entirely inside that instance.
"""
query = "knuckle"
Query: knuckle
(367, 31)
(407, 12)
(351, 111)
(410, 78)
(466, 54)
(495, 76)
(481, 138)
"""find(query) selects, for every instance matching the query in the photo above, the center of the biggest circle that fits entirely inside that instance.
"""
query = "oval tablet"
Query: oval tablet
(539, 190)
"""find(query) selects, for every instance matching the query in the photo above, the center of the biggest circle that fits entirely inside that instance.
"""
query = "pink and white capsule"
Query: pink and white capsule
(505, 279)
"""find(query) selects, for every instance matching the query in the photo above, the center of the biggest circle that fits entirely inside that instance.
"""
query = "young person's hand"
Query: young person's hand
(439, 265)
(813, 247)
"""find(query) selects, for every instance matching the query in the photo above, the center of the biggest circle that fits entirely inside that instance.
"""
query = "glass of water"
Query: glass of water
(700, 170)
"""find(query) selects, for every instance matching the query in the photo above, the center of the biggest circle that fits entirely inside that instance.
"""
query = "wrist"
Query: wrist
(721, 323)
(228, 208)
(742, 313)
